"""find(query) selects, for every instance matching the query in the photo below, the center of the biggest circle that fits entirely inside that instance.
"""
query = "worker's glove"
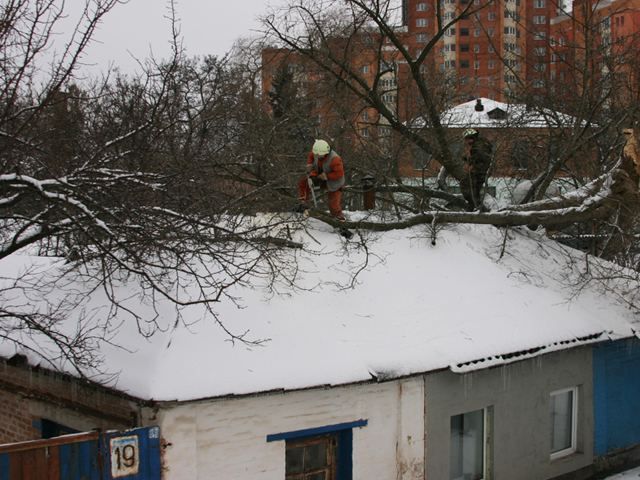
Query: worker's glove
(323, 176)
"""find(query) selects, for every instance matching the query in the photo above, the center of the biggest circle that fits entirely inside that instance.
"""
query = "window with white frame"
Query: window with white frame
(477, 32)
(476, 65)
(468, 452)
(364, 69)
(491, 64)
(491, 16)
(421, 22)
(476, 48)
(422, 38)
(563, 410)
(539, 19)
(539, 3)
(421, 7)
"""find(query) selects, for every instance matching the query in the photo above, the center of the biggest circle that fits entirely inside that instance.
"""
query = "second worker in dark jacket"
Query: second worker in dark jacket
(476, 154)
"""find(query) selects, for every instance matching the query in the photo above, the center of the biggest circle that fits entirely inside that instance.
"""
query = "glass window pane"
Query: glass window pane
(561, 421)
(294, 457)
(467, 446)
(316, 476)
(315, 456)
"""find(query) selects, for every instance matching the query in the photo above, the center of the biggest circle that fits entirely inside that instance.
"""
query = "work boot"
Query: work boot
(301, 208)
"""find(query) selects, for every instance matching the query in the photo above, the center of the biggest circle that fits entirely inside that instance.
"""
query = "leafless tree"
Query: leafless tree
(137, 179)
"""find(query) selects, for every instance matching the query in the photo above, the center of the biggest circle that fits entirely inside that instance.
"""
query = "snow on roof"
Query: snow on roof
(413, 308)
(499, 115)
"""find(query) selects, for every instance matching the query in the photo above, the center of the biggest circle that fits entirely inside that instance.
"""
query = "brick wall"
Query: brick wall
(15, 420)
(29, 394)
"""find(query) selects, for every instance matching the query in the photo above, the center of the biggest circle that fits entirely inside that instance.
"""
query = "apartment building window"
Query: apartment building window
(491, 64)
(364, 69)
(365, 116)
(540, 67)
(563, 411)
(540, 35)
(464, 32)
(509, 30)
(491, 16)
(476, 65)
(451, 32)
(421, 22)
(538, 84)
(539, 3)
(464, 47)
(468, 447)
(539, 19)
(477, 32)
(540, 51)
(449, 64)
(464, 63)
(421, 7)
(449, 15)
(389, 99)
(490, 49)
(422, 38)
(476, 48)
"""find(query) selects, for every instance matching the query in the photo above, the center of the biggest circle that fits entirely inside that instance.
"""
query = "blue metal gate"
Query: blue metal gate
(131, 455)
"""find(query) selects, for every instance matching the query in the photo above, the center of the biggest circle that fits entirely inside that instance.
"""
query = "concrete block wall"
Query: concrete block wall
(227, 438)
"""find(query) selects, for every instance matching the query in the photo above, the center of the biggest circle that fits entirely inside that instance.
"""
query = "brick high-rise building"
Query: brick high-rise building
(497, 48)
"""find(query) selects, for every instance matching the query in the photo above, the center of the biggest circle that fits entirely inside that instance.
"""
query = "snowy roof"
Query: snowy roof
(498, 115)
(415, 307)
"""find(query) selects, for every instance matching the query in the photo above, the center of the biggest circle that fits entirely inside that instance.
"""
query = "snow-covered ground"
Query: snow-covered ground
(633, 474)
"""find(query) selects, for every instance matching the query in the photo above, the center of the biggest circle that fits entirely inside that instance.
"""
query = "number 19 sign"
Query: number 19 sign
(125, 458)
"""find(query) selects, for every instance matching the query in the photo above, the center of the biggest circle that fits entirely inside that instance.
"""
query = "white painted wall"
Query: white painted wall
(226, 439)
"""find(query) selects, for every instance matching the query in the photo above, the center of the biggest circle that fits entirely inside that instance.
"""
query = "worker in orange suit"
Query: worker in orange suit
(326, 169)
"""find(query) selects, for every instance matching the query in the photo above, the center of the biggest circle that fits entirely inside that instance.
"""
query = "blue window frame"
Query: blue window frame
(323, 453)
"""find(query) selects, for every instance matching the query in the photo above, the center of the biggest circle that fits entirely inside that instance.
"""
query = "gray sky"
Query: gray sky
(140, 26)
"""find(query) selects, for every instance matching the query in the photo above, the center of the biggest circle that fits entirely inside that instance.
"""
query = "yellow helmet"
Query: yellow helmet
(321, 148)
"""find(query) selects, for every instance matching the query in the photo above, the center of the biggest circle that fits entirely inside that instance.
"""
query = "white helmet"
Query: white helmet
(470, 132)
(321, 148)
